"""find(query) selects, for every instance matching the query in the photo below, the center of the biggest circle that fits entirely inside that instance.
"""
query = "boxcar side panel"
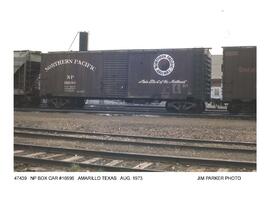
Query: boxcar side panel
(171, 74)
(72, 74)
(160, 74)
(115, 77)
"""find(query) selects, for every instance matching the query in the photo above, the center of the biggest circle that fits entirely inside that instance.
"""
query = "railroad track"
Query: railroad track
(153, 111)
(121, 161)
(149, 161)
(233, 146)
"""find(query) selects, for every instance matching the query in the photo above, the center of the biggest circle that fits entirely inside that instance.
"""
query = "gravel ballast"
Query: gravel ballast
(195, 128)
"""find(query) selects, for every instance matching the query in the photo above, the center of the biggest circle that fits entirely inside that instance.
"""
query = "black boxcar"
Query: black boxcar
(179, 76)
(239, 78)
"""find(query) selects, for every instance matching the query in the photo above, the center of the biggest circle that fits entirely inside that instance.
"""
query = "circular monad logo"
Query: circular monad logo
(164, 64)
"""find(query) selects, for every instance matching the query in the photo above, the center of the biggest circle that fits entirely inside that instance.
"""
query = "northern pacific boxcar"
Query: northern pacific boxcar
(181, 77)
(26, 77)
(239, 78)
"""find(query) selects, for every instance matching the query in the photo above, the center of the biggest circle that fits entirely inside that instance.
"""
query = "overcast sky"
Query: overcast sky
(120, 24)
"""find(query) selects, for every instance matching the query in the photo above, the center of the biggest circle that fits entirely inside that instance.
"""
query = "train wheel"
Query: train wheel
(234, 107)
(77, 103)
(200, 107)
(57, 102)
(35, 101)
(81, 102)
(185, 106)
(17, 101)
(173, 106)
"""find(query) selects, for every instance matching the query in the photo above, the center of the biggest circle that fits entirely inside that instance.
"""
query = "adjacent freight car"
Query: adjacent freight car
(26, 77)
(239, 78)
(181, 77)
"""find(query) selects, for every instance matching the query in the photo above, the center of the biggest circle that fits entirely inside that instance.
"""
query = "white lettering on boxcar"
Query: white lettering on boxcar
(82, 63)
(152, 81)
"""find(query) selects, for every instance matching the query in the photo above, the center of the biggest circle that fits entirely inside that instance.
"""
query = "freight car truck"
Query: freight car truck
(181, 77)
(239, 78)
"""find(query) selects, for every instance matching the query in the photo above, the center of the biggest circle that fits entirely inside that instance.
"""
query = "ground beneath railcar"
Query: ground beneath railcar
(198, 128)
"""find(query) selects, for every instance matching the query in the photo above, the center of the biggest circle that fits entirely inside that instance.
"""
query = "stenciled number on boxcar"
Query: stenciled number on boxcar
(70, 84)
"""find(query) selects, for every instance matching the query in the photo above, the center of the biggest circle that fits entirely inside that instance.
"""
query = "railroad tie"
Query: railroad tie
(223, 170)
(35, 154)
(114, 162)
(52, 156)
(143, 165)
(18, 151)
(190, 169)
(72, 158)
(92, 160)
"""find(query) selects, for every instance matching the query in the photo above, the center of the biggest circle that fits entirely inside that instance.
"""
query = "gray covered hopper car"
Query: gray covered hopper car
(26, 77)
(181, 77)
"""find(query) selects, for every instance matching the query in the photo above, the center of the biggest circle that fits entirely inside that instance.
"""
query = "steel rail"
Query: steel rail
(135, 143)
(128, 142)
(166, 139)
(207, 114)
(140, 156)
